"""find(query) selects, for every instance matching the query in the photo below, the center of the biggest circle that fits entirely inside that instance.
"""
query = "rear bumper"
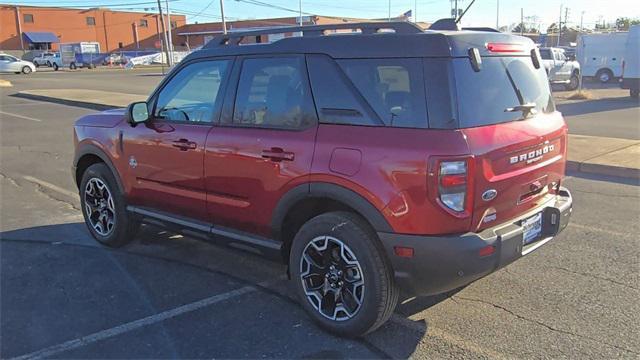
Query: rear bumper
(443, 263)
(633, 84)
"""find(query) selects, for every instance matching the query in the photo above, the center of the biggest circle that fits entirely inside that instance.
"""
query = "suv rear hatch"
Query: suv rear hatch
(516, 137)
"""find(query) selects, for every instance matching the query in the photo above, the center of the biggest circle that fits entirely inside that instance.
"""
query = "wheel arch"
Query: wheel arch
(306, 201)
(89, 154)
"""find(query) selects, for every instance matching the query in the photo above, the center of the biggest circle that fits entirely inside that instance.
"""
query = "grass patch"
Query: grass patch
(580, 95)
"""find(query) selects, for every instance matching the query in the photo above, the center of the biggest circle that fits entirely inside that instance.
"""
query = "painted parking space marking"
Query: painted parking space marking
(19, 116)
(51, 186)
(136, 324)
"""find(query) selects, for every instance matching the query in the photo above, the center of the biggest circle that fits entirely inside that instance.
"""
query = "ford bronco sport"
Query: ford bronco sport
(370, 157)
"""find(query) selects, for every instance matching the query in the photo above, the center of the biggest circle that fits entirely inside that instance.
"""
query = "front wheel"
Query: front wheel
(341, 275)
(604, 75)
(634, 93)
(55, 67)
(104, 207)
(26, 70)
(574, 82)
(48, 63)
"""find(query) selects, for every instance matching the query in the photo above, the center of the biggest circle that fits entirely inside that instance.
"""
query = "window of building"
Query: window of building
(91, 20)
(193, 93)
(174, 24)
(394, 88)
(273, 93)
(143, 23)
(28, 18)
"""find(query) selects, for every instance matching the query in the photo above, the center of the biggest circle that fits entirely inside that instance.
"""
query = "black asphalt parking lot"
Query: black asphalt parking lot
(166, 296)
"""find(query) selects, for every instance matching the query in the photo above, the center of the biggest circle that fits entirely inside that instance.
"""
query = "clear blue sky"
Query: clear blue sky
(482, 13)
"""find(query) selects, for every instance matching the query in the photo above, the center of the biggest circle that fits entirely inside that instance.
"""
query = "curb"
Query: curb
(84, 104)
(599, 169)
(5, 83)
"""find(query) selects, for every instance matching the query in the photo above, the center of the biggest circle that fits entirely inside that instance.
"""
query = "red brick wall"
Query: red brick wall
(70, 25)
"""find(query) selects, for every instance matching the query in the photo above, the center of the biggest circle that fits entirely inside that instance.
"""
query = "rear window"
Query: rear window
(546, 54)
(502, 83)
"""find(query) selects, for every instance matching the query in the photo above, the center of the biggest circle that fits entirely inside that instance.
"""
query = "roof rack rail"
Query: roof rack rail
(235, 37)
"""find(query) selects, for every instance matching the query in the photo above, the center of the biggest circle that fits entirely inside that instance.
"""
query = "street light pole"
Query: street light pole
(170, 37)
(389, 19)
(224, 23)
(497, 14)
(300, 12)
(164, 31)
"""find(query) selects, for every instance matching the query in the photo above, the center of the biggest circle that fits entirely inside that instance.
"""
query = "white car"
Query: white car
(47, 58)
(560, 69)
(12, 64)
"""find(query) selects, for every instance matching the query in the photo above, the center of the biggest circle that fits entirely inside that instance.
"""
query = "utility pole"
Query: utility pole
(389, 14)
(521, 21)
(456, 10)
(300, 12)
(497, 14)
(415, 11)
(19, 22)
(581, 18)
(559, 27)
(170, 37)
(164, 31)
(224, 23)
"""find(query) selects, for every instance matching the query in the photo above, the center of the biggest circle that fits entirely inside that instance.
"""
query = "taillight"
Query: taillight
(451, 184)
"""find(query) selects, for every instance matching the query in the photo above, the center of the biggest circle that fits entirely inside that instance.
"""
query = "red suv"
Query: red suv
(371, 157)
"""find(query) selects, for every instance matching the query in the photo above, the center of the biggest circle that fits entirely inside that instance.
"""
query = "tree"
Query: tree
(623, 23)
(553, 28)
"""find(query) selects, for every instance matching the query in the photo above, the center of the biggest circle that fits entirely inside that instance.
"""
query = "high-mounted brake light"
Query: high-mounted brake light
(505, 47)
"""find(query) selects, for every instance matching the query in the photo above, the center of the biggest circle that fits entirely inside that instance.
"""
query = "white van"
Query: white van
(631, 63)
(600, 55)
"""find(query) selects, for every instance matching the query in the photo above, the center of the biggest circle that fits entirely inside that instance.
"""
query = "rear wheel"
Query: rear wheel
(48, 63)
(634, 93)
(104, 208)
(26, 70)
(55, 67)
(604, 75)
(341, 275)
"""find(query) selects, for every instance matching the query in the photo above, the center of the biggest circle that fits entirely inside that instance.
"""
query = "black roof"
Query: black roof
(372, 40)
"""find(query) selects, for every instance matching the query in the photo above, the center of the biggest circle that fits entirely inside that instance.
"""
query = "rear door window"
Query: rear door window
(503, 83)
(394, 88)
(274, 93)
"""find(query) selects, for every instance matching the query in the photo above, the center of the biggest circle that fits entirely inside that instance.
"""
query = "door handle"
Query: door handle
(277, 154)
(184, 144)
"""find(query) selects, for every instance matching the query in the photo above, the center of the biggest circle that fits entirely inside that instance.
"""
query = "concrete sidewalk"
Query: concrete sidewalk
(588, 154)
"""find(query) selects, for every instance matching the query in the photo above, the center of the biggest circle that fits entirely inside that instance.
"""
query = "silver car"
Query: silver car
(12, 64)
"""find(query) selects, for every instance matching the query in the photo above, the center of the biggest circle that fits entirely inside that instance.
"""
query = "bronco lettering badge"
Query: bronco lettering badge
(532, 156)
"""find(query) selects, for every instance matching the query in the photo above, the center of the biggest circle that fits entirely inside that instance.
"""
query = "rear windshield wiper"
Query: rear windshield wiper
(528, 108)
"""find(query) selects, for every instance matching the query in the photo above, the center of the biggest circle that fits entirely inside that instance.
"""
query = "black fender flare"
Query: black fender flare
(330, 191)
(91, 149)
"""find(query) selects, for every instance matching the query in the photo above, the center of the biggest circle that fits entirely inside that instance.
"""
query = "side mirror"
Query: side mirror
(137, 113)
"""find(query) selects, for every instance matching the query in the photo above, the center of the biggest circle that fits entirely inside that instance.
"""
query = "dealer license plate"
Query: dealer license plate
(532, 228)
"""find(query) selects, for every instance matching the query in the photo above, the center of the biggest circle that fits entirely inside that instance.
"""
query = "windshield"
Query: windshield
(546, 54)
(505, 89)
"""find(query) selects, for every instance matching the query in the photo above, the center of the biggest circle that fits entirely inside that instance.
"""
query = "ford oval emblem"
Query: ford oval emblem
(489, 195)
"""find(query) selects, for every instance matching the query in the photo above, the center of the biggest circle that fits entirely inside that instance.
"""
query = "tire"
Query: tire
(26, 70)
(604, 75)
(367, 274)
(574, 82)
(48, 63)
(107, 220)
(72, 66)
(634, 93)
(55, 66)
(36, 64)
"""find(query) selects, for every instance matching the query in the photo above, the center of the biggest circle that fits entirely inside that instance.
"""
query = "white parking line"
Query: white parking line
(20, 116)
(50, 186)
(133, 325)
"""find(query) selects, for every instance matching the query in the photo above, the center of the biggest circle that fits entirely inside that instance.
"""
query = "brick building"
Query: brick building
(38, 28)
(195, 35)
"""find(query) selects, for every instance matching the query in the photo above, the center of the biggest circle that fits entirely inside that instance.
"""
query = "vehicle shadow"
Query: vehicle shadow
(597, 105)
(398, 338)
